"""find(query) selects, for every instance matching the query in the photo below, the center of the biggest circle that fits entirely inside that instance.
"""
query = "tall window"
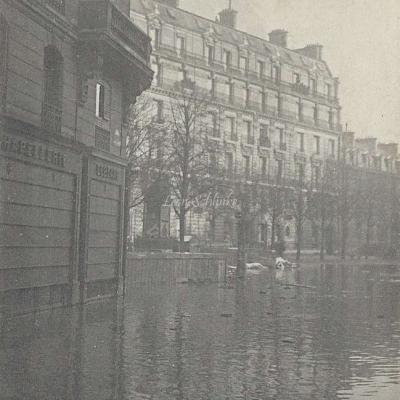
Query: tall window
(316, 175)
(263, 102)
(332, 147)
(213, 89)
(316, 116)
(212, 118)
(279, 171)
(300, 136)
(276, 73)
(264, 137)
(230, 128)
(299, 109)
(249, 132)
(53, 90)
(331, 119)
(210, 54)
(100, 100)
(313, 85)
(263, 166)
(246, 165)
(3, 60)
(229, 164)
(248, 95)
(317, 142)
(296, 78)
(282, 139)
(243, 63)
(155, 36)
(231, 89)
(180, 44)
(227, 58)
(261, 69)
(160, 110)
(328, 90)
(157, 74)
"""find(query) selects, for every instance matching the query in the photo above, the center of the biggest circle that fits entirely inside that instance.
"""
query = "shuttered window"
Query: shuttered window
(3, 60)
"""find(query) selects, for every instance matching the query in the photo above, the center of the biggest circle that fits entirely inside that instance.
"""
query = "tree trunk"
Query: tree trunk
(322, 238)
(182, 229)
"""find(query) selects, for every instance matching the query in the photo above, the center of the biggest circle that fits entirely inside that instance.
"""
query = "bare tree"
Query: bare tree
(192, 157)
(146, 160)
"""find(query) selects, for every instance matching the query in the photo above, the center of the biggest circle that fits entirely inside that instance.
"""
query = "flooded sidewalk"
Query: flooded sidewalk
(330, 332)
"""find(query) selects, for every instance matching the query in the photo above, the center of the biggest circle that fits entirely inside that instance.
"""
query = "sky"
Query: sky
(361, 40)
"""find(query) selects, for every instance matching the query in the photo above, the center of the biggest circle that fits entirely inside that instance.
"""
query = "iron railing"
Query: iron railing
(104, 16)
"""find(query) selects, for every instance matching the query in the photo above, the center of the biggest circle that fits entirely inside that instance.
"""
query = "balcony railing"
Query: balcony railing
(51, 118)
(102, 16)
(301, 88)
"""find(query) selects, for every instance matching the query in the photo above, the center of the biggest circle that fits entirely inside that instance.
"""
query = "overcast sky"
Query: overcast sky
(361, 40)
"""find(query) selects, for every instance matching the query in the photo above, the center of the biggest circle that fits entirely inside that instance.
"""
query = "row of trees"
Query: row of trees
(171, 155)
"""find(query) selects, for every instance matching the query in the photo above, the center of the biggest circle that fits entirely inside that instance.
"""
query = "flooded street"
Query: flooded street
(313, 333)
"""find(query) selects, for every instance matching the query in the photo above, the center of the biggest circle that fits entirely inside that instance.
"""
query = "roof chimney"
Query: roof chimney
(228, 16)
(278, 37)
(312, 51)
(171, 3)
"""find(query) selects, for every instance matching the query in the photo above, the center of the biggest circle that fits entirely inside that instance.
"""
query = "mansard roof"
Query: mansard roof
(201, 25)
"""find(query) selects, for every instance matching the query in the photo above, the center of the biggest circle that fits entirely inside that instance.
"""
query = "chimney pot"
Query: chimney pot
(278, 37)
(228, 17)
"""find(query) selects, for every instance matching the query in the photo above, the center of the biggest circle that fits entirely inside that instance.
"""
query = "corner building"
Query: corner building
(273, 110)
(68, 72)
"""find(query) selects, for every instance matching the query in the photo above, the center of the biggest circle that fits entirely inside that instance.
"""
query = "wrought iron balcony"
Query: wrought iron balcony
(102, 21)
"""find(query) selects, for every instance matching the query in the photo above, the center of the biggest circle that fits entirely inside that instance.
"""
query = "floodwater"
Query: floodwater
(318, 333)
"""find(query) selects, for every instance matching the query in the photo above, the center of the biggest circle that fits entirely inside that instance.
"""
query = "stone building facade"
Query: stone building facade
(374, 189)
(68, 72)
(273, 110)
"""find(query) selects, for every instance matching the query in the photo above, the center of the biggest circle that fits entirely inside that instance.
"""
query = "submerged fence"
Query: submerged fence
(174, 268)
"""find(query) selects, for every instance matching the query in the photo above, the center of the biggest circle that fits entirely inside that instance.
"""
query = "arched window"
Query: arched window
(53, 90)
(3, 60)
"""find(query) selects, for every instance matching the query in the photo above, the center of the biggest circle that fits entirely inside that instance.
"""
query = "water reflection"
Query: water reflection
(327, 332)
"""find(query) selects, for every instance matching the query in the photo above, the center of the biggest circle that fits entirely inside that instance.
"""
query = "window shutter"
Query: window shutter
(3, 60)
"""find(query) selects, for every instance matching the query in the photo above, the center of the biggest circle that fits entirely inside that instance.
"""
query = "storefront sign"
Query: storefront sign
(30, 150)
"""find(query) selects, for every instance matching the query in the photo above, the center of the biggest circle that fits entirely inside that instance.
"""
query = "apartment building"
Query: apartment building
(272, 108)
(68, 72)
